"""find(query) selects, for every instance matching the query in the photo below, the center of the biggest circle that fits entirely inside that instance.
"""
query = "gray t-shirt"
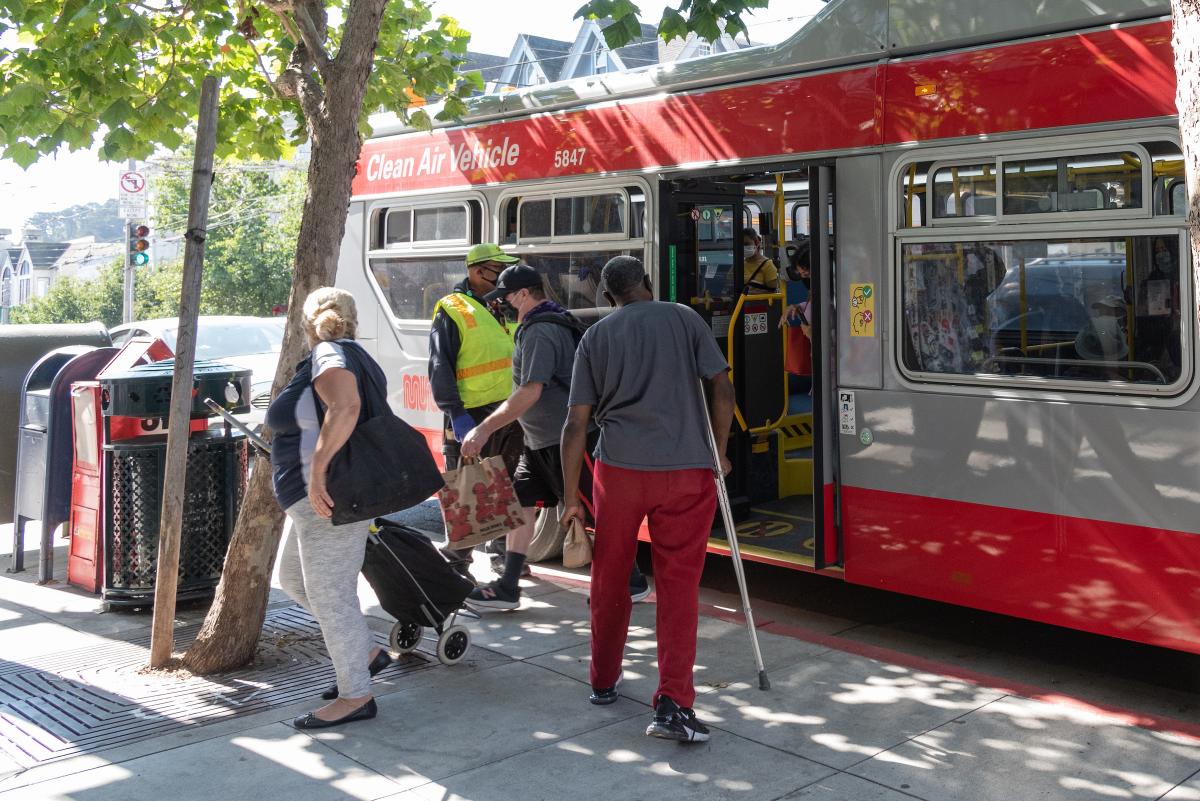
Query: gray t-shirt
(639, 368)
(544, 354)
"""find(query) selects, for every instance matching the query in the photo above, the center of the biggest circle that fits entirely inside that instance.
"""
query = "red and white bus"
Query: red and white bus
(1003, 410)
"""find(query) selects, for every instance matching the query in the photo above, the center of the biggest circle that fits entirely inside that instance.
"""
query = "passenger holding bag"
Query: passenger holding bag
(331, 470)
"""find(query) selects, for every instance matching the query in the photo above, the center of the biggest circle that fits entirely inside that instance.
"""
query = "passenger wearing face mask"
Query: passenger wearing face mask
(470, 363)
(760, 273)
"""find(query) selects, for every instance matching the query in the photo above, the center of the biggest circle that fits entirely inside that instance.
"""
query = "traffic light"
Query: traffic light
(139, 244)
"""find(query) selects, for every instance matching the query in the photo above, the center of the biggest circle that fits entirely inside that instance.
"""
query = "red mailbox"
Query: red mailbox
(85, 564)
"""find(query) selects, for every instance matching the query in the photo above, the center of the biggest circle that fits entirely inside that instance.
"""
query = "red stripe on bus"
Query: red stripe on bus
(1101, 76)
(1116, 579)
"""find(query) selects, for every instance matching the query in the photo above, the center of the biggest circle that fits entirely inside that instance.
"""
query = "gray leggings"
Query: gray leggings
(318, 568)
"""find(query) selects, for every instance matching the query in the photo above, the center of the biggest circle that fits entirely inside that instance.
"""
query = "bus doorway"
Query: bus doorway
(780, 444)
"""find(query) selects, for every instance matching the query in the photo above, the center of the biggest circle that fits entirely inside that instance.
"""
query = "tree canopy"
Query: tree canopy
(708, 19)
(128, 74)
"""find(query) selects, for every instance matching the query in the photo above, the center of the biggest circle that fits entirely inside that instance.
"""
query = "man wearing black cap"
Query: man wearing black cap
(541, 372)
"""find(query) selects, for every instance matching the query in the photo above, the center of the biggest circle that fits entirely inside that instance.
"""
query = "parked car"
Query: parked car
(249, 342)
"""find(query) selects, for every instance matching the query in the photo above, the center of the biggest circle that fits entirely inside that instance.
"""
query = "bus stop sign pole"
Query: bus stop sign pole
(731, 536)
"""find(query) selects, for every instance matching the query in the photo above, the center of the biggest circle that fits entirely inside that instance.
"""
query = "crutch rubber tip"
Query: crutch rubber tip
(763, 682)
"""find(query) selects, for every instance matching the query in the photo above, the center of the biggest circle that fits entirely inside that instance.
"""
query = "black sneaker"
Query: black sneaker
(607, 695)
(673, 722)
(494, 596)
(639, 592)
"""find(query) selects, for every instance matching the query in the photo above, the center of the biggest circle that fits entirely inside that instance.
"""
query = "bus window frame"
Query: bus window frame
(438, 248)
(1145, 211)
(959, 220)
(579, 244)
(569, 188)
(1177, 392)
(552, 195)
(424, 244)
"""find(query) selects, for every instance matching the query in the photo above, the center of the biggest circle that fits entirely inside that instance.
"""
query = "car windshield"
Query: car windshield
(242, 338)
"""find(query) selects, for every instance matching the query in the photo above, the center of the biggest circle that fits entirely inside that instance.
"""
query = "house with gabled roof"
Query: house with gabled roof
(536, 60)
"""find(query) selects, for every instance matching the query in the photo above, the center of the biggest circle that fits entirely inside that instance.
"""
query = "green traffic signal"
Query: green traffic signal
(139, 244)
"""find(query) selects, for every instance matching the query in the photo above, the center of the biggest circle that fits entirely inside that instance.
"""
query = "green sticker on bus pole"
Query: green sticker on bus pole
(671, 266)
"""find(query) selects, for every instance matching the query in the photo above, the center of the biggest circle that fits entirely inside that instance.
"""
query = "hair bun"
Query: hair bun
(329, 325)
(330, 313)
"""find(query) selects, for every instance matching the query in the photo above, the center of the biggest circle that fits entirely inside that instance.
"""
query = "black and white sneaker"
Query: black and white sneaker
(639, 592)
(606, 695)
(494, 596)
(673, 722)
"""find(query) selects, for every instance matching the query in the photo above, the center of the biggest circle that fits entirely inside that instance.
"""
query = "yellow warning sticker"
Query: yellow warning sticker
(862, 310)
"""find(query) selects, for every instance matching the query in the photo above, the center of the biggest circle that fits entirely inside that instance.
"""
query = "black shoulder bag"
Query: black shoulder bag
(385, 466)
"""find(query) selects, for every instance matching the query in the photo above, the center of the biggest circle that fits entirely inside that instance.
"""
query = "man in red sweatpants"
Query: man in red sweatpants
(636, 372)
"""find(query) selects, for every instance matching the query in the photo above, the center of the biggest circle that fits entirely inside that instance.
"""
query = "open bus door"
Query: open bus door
(777, 498)
(827, 532)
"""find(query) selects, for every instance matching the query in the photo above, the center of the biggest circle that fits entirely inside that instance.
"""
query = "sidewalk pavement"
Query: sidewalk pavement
(855, 713)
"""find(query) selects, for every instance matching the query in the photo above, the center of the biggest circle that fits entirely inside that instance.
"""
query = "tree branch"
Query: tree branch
(297, 20)
(314, 40)
(262, 65)
(356, 56)
(280, 9)
(296, 82)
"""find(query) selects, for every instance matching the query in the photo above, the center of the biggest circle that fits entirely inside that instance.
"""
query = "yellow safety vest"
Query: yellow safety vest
(484, 366)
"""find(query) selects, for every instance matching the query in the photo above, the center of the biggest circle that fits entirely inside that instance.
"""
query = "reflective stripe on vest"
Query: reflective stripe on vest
(484, 365)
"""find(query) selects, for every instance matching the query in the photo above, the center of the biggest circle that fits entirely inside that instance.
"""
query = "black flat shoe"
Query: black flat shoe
(311, 721)
(382, 660)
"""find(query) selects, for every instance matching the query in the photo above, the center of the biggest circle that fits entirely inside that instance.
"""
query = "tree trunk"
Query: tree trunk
(1186, 41)
(231, 630)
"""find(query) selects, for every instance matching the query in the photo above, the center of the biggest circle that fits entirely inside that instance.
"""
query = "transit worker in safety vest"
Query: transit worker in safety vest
(470, 363)
(638, 373)
(541, 377)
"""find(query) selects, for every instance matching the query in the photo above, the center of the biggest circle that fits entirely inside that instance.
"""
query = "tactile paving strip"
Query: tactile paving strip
(86, 700)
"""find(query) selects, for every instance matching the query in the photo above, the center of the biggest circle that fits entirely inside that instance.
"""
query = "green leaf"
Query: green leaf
(25, 94)
(22, 153)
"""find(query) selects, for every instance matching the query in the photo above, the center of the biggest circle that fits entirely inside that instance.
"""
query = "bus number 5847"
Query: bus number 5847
(569, 158)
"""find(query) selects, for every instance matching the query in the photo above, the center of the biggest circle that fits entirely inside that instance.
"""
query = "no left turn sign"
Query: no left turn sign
(132, 182)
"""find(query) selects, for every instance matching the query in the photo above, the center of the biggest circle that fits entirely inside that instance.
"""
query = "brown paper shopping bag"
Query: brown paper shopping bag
(577, 546)
(479, 503)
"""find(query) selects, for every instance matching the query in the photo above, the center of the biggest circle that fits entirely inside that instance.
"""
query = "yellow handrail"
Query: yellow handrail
(770, 297)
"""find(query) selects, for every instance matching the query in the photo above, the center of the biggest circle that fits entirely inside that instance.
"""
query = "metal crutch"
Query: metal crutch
(731, 535)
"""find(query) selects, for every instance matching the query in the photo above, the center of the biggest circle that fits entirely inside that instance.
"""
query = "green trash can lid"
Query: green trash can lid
(156, 371)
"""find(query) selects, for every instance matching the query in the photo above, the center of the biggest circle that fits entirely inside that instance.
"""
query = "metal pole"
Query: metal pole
(127, 275)
(162, 635)
(731, 535)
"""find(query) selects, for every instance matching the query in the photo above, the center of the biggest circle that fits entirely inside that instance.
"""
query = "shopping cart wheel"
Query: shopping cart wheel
(405, 637)
(453, 645)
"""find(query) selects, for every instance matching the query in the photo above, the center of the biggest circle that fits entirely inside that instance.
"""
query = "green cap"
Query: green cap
(489, 252)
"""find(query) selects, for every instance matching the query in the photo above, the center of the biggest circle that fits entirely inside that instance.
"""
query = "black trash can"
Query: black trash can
(216, 483)
(133, 470)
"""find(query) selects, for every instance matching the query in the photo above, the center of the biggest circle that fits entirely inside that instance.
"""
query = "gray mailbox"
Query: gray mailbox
(44, 447)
